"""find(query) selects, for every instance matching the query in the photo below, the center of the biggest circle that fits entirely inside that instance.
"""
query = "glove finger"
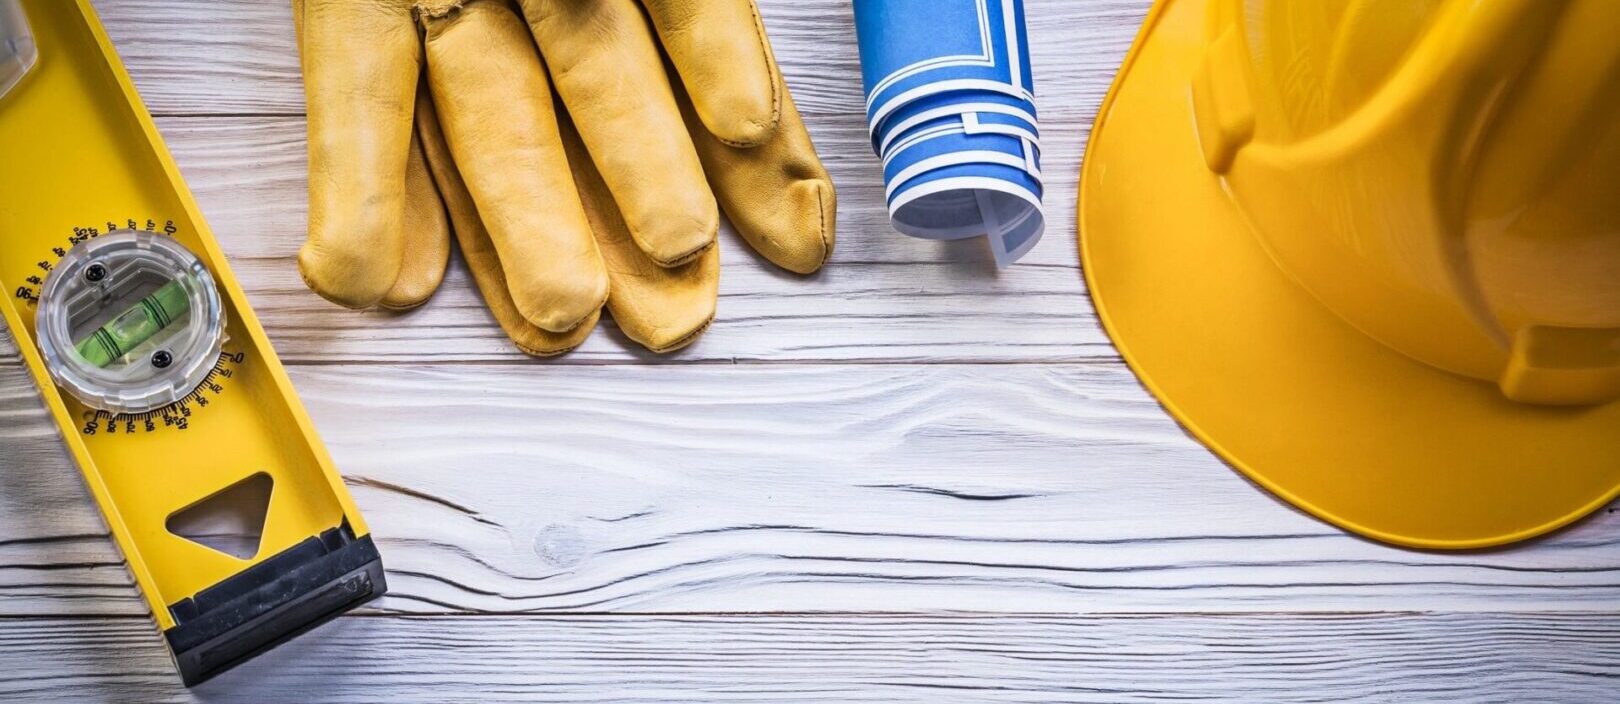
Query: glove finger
(724, 59)
(495, 108)
(479, 250)
(360, 64)
(662, 308)
(777, 195)
(426, 231)
(606, 65)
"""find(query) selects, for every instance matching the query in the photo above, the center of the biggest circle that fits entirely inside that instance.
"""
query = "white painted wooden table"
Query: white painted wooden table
(911, 478)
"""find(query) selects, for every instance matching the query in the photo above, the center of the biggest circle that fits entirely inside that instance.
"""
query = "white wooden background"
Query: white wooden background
(911, 478)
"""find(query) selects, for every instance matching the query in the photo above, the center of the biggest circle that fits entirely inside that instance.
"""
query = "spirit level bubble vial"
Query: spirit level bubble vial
(150, 360)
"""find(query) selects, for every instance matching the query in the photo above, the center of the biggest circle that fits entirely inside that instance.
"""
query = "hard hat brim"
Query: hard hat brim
(1286, 392)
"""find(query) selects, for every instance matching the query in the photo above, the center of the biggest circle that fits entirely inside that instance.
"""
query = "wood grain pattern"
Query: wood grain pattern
(884, 296)
(840, 659)
(229, 102)
(247, 61)
(927, 480)
(1020, 488)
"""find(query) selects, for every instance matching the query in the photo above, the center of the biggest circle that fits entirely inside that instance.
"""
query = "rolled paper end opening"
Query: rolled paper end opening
(1013, 222)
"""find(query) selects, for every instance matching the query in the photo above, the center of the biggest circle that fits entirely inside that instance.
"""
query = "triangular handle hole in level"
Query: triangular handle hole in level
(231, 521)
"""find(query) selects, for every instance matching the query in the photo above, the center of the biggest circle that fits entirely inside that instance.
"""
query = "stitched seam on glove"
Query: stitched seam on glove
(776, 79)
(686, 340)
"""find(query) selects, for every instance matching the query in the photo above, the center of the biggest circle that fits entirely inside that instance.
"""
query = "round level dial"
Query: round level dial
(130, 322)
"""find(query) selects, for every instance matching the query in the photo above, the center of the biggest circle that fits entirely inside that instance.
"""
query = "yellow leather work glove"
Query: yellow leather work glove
(602, 193)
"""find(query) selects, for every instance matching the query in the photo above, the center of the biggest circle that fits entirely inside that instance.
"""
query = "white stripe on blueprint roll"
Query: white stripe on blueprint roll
(951, 106)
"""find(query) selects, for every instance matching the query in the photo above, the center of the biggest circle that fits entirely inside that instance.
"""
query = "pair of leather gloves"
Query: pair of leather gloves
(575, 148)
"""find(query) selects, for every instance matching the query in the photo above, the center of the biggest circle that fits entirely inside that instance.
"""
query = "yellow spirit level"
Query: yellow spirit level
(150, 360)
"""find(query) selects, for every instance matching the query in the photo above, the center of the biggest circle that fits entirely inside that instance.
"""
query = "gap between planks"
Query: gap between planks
(798, 488)
(838, 659)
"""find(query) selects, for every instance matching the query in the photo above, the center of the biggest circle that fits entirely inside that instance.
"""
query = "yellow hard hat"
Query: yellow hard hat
(1369, 252)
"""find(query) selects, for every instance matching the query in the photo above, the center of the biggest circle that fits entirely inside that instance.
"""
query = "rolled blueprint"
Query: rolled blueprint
(951, 107)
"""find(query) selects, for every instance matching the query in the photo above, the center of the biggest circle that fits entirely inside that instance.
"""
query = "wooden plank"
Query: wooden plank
(822, 486)
(704, 488)
(838, 659)
(240, 57)
(885, 297)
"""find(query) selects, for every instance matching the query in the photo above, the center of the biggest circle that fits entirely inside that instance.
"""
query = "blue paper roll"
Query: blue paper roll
(951, 106)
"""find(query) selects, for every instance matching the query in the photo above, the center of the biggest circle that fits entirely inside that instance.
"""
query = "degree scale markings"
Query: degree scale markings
(29, 292)
(176, 415)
